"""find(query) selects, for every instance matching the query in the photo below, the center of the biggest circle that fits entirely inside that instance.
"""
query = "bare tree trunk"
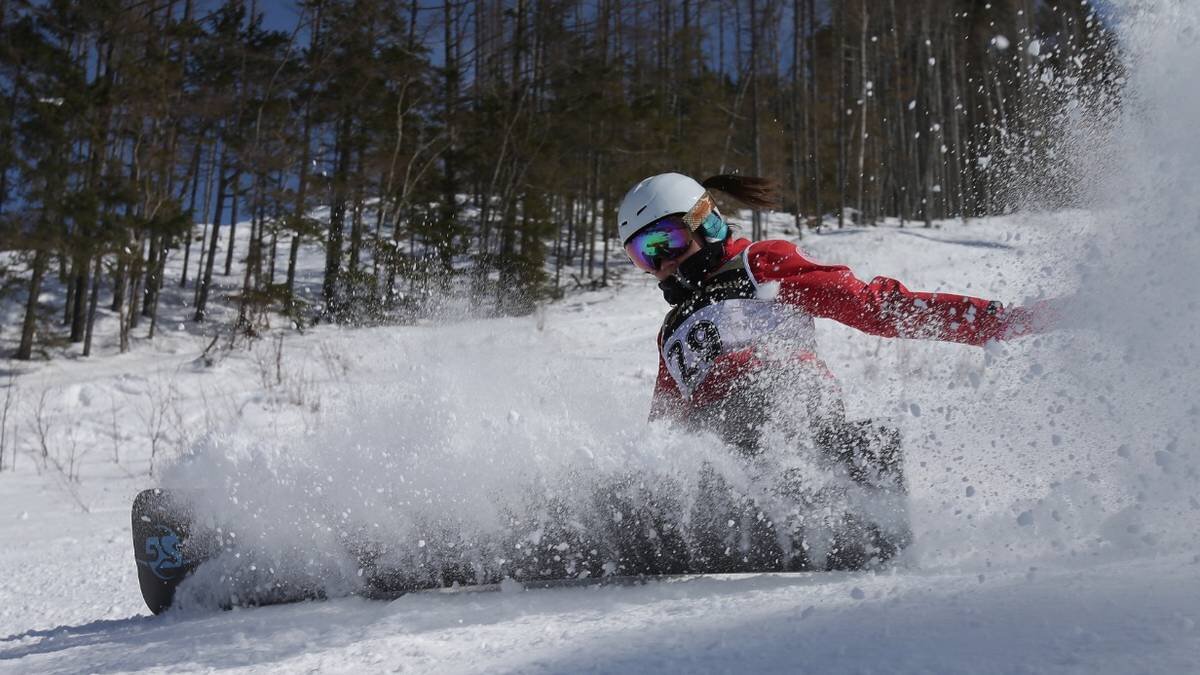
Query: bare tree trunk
(757, 224)
(279, 178)
(205, 284)
(136, 277)
(29, 326)
(798, 103)
(214, 173)
(450, 107)
(298, 211)
(235, 193)
(862, 114)
(841, 115)
(810, 114)
(79, 307)
(927, 96)
(593, 204)
(253, 256)
(963, 184)
(606, 215)
(119, 280)
(331, 287)
(92, 303)
(152, 309)
(68, 280)
(900, 156)
(356, 219)
(152, 263)
(190, 235)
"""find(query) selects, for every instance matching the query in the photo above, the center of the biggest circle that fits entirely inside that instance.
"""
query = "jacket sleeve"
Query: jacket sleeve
(884, 306)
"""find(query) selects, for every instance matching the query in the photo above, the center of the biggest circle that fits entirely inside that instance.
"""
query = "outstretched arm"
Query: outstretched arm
(884, 306)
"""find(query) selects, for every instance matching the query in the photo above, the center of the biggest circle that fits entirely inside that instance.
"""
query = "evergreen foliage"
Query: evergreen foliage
(483, 145)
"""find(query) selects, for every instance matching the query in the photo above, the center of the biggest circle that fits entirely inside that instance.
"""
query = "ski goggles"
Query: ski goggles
(665, 239)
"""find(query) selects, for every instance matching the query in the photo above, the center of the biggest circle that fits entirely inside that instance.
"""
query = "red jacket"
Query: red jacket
(883, 307)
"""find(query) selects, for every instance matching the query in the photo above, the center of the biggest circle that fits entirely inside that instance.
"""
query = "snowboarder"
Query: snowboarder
(737, 350)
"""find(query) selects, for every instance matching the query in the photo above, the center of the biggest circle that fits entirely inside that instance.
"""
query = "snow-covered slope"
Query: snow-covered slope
(1027, 557)
(1053, 479)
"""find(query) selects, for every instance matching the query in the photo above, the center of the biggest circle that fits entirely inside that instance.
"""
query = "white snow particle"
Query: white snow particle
(768, 291)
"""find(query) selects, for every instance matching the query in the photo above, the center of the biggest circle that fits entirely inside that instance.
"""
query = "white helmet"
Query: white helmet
(655, 197)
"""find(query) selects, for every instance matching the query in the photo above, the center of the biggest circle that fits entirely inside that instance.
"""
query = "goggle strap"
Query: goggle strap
(714, 228)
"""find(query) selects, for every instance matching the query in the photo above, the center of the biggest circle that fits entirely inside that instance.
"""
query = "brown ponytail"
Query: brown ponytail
(755, 192)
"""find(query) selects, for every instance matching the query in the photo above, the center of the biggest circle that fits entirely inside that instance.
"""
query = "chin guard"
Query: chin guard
(692, 272)
(696, 268)
(673, 290)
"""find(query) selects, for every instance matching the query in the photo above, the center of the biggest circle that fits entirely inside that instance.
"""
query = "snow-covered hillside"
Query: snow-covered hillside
(1027, 555)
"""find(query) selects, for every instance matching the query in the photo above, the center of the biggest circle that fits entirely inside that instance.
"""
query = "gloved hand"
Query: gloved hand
(1042, 316)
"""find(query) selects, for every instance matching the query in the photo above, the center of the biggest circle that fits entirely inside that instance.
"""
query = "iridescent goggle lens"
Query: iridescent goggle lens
(665, 239)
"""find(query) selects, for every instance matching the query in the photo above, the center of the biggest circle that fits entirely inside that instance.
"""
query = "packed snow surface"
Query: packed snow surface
(1036, 545)
(1053, 479)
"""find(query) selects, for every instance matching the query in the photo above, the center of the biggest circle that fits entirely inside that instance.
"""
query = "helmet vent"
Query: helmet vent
(639, 211)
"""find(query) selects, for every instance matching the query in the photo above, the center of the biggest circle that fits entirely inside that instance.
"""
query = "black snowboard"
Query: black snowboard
(169, 545)
(163, 546)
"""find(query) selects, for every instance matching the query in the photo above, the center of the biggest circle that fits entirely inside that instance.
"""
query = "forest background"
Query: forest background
(481, 148)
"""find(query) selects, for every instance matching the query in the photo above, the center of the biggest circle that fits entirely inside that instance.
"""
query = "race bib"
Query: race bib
(730, 326)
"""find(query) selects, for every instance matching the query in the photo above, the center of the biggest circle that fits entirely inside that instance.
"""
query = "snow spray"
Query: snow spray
(464, 456)
(1141, 275)
(479, 444)
(1084, 443)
